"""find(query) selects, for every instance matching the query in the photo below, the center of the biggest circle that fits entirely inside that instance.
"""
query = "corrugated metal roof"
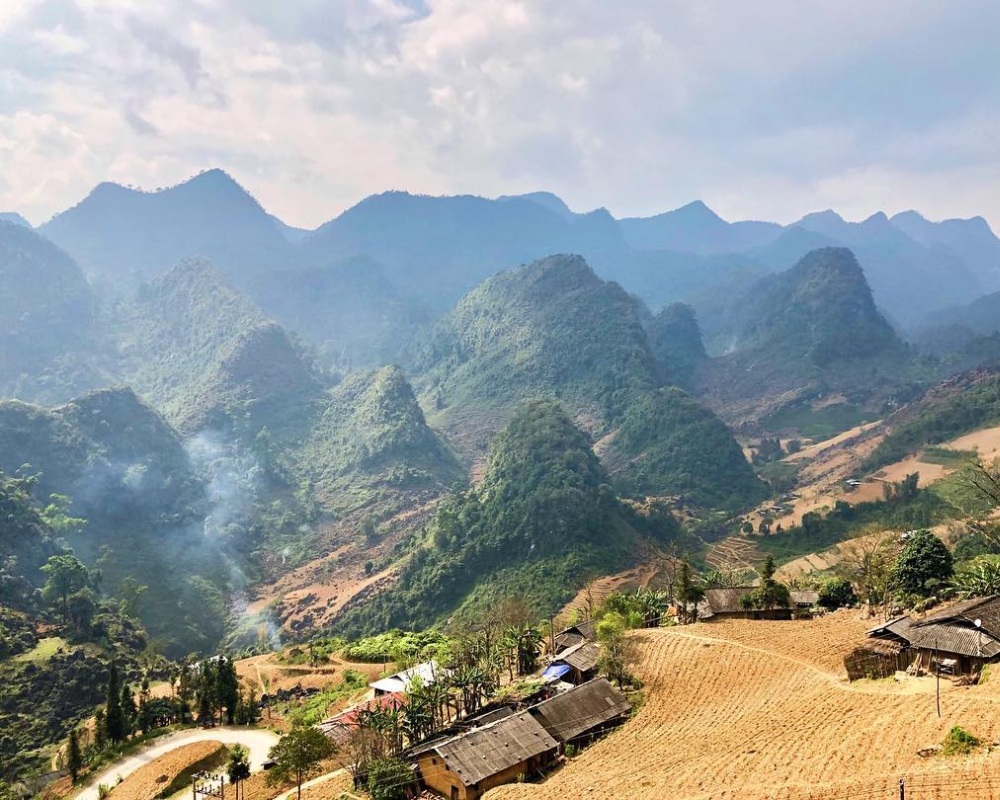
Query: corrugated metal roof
(581, 709)
(900, 626)
(582, 657)
(489, 750)
(985, 609)
(428, 673)
(950, 637)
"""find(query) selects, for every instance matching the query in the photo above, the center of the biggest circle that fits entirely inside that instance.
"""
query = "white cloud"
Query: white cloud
(767, 109)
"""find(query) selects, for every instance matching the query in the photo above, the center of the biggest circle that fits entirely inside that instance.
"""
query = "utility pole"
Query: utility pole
(937, 670)
(552, 636)
(902, 789)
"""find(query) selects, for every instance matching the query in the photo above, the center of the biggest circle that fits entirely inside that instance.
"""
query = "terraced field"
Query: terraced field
(752, 709)
(734, 553)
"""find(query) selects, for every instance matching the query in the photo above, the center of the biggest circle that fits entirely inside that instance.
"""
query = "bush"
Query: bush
(837, 593)
(389, 779)
(959, 742)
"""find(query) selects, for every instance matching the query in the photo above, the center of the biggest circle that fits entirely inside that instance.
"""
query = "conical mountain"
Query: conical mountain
(553, 329)
(804, 334)
(207, 356)
(543, 509)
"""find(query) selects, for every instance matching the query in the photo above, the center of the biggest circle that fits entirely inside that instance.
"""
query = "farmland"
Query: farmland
(755, 709)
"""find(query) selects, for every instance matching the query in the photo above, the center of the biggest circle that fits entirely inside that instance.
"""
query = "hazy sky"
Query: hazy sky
(762, 109)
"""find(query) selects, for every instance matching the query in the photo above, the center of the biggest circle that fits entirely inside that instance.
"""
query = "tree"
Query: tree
(114, 719)
(129, 709)
(688, 593)
(74, 758)
(227, 687)
(65, 575)
(868, 561)
(617, 650)
(923, 558)
(296, 754)
(390, 779)
(130, 593)
(837, 593)
(238, 766)
(770, 594)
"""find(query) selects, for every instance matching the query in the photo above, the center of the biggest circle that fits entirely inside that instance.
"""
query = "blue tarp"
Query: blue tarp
(555, 670)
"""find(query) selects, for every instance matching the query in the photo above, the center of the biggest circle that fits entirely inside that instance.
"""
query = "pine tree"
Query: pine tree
(74, 757)
(113, 716)
(129, 710)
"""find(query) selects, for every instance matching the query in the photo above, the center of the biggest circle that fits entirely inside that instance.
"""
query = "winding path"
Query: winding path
(257, 741)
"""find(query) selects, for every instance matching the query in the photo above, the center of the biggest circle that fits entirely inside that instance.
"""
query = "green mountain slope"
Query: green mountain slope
(542, 518)
(49, 332)
(128, 474)
(207, 356)
(805, 334)
(370, 440)
(675, 339)
(551, 328)
(554, 329)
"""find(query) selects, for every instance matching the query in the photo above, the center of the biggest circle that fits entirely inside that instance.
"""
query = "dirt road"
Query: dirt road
(258, 742)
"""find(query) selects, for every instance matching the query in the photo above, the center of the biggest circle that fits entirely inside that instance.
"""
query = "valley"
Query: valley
(268, 454)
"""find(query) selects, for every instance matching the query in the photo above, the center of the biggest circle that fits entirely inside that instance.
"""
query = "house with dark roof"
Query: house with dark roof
(464, 767)
(581, 712)
(576, 664)
(957, 640)
(725, 604)
(574, 635)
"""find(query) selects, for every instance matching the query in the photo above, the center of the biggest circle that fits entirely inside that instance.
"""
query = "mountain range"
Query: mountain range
(232, 400)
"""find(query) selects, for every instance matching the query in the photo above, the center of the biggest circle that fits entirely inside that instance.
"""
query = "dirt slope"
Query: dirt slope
(745, 709)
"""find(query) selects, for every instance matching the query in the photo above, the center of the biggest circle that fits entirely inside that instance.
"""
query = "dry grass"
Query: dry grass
(753, 709)
(154, 778)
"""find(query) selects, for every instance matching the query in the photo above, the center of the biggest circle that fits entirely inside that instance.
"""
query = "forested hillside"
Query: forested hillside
(543, 518)
(554, 329)
(804, 334)
(122, 469)
(49, 330)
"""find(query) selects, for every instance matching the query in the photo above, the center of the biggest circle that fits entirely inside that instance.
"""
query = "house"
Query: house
(804, 599)
(574, 635)
(581, 712)
(958, 640)
(428, 673)
(576, 664)
(464, 767)
(339, 727)
(725, 604)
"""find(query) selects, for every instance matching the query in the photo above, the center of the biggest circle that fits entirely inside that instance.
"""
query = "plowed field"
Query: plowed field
(754, 709)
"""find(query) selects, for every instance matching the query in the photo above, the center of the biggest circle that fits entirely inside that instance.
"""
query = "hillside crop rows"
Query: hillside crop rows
(754, 709)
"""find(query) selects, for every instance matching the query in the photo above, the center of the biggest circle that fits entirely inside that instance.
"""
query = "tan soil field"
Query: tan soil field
(152, 779)
(265, 674)
(755, 709)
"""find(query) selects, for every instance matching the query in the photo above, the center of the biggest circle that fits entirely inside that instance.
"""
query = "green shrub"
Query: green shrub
(959, 742)
(837, 593)
(389, 779)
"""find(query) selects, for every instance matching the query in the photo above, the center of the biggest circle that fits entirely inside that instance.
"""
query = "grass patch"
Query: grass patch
(819, 424)
(314, 709)
(45, 649)
(946, 457)
(959, 742)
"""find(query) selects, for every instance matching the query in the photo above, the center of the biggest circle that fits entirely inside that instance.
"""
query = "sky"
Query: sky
(764, 110)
